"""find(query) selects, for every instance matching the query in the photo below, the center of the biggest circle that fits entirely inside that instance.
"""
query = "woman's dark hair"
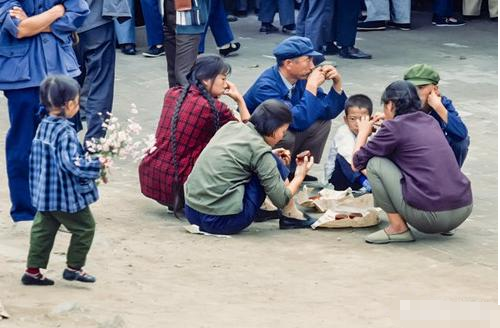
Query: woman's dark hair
(360, 101)
(403, 95)
(270, 115)
(56, 91)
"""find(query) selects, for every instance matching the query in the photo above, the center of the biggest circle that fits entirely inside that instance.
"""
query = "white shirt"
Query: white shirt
(343, 144)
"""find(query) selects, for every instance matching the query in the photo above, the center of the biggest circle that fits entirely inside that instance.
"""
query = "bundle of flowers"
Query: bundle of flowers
(122, 141)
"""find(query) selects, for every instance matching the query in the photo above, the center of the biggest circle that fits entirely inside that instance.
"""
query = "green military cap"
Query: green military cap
(422, 74)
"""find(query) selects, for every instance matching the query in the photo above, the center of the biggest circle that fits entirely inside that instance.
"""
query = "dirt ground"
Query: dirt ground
(151, 273)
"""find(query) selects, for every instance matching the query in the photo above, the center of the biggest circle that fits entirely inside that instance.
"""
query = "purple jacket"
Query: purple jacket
(432, 180)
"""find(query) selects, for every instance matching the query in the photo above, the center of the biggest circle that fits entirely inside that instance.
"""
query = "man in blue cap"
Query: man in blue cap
(296, 81)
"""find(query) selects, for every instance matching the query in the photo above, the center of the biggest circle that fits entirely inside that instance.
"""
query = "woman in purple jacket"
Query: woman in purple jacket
(413, 172)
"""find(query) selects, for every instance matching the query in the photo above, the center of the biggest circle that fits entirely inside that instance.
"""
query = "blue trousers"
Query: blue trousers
(442, 8)
(313, 23)
(153, 20)
(218, 25)
(125, 32)
(344, 21)
(232, 224)
(460, 149)
(23, 108)
(285, 8)
(343, 176)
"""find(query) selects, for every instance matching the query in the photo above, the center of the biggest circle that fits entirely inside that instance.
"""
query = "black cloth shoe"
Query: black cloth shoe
(371, 26)
(154, 51)
(353, 53)
(128, 49)
(233, 46)
(289, 223)
(79, 275)
(263, 215)
(401, 26)
(268, 28)
(36, 280)
(289, 29)
(331, 49)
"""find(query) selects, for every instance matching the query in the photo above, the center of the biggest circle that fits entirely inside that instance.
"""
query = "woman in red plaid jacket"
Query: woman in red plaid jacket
(190, 117)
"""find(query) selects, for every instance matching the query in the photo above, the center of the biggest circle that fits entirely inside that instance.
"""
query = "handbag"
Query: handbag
(183, 5)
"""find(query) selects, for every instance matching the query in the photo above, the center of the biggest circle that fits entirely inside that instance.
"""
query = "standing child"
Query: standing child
(61, 183)
(338, 169)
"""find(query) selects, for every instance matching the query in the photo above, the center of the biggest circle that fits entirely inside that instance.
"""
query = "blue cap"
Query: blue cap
(296, 46)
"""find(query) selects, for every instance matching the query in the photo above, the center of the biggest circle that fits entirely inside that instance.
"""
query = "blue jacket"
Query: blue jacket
(455, 130)
(306, 108)
(25, 62)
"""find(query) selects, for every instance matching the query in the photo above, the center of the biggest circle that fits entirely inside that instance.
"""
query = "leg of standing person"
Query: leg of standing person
(267, 11)
(23, 105)
(377, 14)
(125, 32)
(221, 30)
(186, 51)
(96, 52)
(43, 234)
(345, 28)
(82, 227)
(471, 7)
(169, 17)
(286, 9)
(400, 14)
(154, 28)
(312, 21)
(443, 14)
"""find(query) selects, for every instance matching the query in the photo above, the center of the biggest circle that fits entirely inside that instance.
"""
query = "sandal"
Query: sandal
(382, 237)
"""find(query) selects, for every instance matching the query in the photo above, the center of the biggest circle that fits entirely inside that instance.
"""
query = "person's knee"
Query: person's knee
(375, 163)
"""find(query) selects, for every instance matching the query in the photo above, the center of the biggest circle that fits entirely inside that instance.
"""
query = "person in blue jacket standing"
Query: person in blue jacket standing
(426, 79)
(35, 41)
(296, 81)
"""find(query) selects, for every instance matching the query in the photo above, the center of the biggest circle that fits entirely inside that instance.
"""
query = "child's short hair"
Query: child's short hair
(270, 115)
(361, 101)
(57, 90)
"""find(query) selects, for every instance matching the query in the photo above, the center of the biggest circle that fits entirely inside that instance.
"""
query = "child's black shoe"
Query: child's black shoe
(79, 275)
(36, 280)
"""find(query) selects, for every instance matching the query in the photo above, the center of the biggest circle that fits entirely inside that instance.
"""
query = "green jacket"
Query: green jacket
(216, 185)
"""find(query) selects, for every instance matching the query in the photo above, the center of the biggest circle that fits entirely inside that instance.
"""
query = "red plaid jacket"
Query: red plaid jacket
(195, 128)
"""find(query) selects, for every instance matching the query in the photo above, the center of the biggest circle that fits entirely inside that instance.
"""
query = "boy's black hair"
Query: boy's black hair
(404, 96)
(56, 91)
(270, 115)
(359, 100)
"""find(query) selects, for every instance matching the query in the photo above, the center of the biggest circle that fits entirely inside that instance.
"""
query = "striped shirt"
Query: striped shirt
(61, 178)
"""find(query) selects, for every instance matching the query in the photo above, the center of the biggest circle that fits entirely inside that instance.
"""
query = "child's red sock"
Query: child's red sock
(33, 271)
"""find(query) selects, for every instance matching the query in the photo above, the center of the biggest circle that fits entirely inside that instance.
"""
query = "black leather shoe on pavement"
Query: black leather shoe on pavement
(289, 223)
(233, 46)
(79, 275)
(36, 280)
(353, 53)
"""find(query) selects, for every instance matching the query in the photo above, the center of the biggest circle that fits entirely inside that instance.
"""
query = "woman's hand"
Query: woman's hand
(304, 164)
(284, 154)
(365, 126)
(232, 92)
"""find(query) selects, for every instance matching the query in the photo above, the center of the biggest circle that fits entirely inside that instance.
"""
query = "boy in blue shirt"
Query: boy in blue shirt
(426, 79)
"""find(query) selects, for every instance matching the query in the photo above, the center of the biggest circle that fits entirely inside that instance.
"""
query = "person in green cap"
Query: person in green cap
(426, 79)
